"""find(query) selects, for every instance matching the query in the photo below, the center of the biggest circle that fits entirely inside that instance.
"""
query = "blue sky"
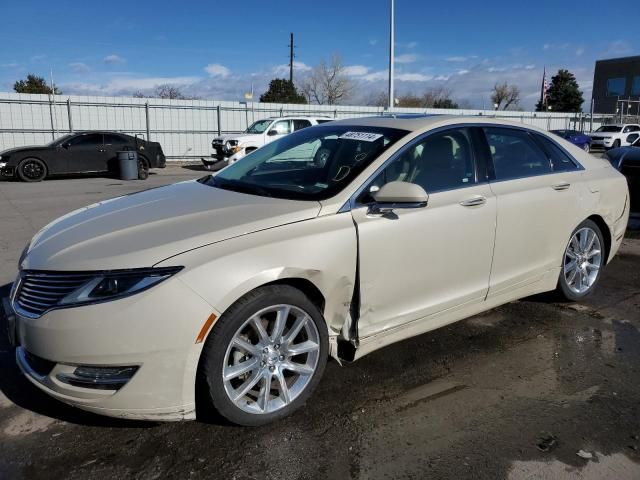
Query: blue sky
(216, 49)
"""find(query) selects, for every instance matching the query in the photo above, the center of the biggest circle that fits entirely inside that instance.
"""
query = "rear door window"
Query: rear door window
(515, 154)
(560, 160)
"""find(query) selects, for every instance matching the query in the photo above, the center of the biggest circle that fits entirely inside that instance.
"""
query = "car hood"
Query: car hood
(142, 229)
(29, 148)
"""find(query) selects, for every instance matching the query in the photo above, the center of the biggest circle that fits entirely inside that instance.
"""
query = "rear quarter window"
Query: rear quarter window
(560, 160)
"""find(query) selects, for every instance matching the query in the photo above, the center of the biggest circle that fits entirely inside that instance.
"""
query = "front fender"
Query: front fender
(322, 250)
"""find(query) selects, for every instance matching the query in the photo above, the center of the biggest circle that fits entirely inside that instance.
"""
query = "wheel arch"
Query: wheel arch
(35, 157)
(606, 233)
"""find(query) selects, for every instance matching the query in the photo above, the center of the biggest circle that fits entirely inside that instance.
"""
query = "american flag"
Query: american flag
(543, 88)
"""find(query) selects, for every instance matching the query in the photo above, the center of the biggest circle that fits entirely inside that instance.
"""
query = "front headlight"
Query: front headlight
(2, 164)
(117, 284)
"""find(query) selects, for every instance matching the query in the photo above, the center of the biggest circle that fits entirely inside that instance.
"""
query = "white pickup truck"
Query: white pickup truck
(613, 136)
(228, 149)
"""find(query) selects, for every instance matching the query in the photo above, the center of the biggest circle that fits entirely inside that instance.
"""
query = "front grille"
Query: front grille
(39, 292)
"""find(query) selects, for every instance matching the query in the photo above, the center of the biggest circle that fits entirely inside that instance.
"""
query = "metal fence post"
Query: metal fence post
(335, 113)
(218, 120)
(69, 115)
(53, 128)
(146, 114)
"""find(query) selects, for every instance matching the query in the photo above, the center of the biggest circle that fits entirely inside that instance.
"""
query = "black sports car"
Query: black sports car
(86, 152)
(627, 160)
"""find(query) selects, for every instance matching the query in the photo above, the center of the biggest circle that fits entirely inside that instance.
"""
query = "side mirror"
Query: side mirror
(399, 195)
(272, 133)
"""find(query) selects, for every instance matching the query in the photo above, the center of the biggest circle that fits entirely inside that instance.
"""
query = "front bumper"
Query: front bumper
(602, 142)
(7, 172)
(154, 331)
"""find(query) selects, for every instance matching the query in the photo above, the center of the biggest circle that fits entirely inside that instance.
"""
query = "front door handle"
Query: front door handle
(561, 186)
(474, 201)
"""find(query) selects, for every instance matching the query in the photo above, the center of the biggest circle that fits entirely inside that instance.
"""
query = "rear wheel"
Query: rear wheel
(583, 261)
(32, 170)
(143, 168)
(265, 355)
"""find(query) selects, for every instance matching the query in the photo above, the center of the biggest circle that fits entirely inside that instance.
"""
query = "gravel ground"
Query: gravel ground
(514, 393)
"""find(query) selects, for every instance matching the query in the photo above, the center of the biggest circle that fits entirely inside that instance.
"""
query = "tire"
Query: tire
(616, 143)
(581, 267)
(269, 357)
(143, 168)
(32, 170)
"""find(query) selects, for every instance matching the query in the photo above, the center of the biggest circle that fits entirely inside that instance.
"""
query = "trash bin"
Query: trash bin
(128, 164)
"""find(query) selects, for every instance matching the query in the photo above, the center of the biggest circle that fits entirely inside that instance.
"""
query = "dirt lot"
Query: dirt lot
(514, 393)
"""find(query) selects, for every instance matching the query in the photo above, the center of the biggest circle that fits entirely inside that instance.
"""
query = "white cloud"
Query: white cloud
(9, 65)
(406, 58)
(356, 70)
(113, 59)
(457, 59)
(579, 52)
(373, 42)
(79, 67)
(126, 85)
(284, 68)
(413, 77)
(529, 67)
(463, 72)
(217, 70)
(618, 48)
(412, 44)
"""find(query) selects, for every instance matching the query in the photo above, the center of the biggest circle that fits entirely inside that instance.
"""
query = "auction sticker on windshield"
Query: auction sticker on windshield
(362, 136)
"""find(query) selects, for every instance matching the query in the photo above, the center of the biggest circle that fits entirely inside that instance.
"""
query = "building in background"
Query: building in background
(616, 86)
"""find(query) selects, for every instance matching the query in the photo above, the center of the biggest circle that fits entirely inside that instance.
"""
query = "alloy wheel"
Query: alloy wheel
(32, 169)
(582, 260)
(271, 359)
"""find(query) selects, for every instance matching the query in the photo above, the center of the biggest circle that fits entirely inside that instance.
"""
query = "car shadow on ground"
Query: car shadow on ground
(22, 393)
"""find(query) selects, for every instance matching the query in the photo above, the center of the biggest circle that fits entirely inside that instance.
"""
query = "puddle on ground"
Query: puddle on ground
(617, 466)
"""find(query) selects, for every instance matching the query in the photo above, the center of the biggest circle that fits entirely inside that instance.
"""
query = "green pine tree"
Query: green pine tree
(34, 84)
(282, 91)
(563, 94)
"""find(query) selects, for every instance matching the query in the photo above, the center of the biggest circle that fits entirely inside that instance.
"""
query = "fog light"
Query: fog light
(103, 378)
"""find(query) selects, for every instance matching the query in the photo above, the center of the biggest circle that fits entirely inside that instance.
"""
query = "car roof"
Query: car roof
(295, 117)
(415, 123)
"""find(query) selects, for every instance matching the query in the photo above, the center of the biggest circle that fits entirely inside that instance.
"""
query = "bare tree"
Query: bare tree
(166, 91)
(327, 84)
(505, 96)
(169, 92)
(377, 99)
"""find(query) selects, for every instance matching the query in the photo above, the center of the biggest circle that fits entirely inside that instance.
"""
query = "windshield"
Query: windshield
(312, 164)
(259, 127)
(609, 128)
(60, 140)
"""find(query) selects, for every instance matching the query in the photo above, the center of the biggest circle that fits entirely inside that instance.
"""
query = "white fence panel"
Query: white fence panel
(185, 128)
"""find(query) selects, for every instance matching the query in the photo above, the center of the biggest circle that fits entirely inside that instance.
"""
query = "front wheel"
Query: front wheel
(265, 355)
(32, 170)
(583, 260)
(143, 168)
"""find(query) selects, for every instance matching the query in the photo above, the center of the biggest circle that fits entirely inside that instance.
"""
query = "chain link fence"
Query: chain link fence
(185, 128)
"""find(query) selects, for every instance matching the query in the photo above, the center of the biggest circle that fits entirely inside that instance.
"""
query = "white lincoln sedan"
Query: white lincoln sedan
(332, 242)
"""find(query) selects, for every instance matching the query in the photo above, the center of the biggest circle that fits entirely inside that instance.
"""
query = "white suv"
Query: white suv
(231, 148)
(613, 136)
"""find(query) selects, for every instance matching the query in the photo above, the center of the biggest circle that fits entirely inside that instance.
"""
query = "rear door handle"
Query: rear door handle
(561, 186)
(474, 201)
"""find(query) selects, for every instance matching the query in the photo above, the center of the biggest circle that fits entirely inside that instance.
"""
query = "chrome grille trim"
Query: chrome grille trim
(39, 292)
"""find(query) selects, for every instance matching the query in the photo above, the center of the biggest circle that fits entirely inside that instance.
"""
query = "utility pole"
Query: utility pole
(291, 56)
(391, 59)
